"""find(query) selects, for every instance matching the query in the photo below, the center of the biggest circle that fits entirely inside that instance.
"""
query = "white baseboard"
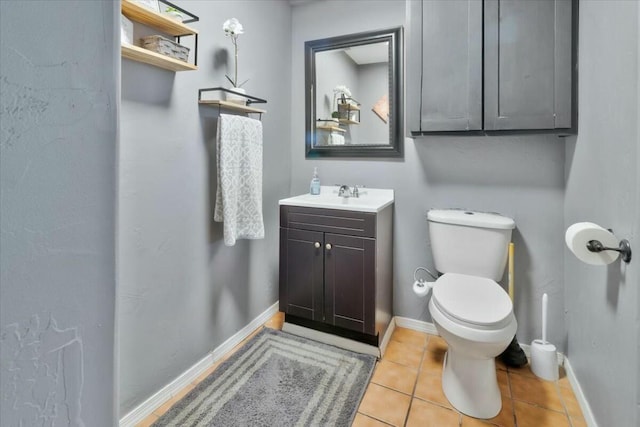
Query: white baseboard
(387, 336)
(147, 407)
(587, 413)
(421, 326)
(416, 325)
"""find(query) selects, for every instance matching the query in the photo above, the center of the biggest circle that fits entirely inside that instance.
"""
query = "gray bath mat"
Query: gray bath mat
(277, 379)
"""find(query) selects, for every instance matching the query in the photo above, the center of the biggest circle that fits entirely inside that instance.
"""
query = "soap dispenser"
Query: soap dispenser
(315, 183)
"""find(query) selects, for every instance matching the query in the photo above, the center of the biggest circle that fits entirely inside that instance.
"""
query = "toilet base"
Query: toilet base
(471, 385)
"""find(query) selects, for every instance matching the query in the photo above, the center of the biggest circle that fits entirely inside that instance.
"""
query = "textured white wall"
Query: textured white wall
(603, 186)
(58, 110)
(182, 292)
(519, 176)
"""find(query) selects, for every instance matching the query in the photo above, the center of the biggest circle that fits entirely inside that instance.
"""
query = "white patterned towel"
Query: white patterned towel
(239, 190)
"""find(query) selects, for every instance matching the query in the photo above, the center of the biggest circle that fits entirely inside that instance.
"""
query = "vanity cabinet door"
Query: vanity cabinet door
(350, 282)
(444, 66)
(302, 273)
(527, 64)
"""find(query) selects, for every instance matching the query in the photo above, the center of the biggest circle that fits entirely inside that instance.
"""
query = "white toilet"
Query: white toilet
(470, 310)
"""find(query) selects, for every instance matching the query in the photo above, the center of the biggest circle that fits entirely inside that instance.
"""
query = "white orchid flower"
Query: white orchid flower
(342, 89)
(232, 27)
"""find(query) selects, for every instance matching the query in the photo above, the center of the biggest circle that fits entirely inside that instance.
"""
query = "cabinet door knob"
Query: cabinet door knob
(316, 244)
(328, 246)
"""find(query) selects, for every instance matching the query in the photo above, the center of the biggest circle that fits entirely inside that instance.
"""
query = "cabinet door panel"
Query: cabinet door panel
(445, 65)
(350, 283)
(527, 66)
(301, 273)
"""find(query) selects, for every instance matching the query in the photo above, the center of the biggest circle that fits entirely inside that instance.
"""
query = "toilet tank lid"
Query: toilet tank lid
(471, 218)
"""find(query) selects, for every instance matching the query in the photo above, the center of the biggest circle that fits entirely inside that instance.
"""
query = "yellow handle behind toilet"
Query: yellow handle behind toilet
(511, 250)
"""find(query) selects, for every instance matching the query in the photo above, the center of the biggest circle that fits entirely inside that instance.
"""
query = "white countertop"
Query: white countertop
(370, 200)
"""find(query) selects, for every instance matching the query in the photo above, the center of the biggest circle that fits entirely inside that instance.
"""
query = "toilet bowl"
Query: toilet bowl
(470, 310)
(474, 315)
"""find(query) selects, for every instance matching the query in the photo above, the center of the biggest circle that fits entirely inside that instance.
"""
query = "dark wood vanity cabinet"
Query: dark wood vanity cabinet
(302, 273)
(489, 65)
(335, 270)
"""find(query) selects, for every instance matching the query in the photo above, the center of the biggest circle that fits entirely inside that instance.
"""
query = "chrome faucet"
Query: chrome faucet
(346, 192)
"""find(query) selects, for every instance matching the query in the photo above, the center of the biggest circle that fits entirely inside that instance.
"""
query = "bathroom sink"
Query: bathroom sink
(370, 200)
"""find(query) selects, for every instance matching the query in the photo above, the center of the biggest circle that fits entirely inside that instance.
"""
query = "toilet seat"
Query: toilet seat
(474, 315)
(472, 301)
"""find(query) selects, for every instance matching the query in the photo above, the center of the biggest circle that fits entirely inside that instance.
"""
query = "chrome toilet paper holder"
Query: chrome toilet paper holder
(624, 248)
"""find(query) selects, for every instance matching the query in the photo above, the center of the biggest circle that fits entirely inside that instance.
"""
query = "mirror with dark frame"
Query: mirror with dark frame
(354, 95)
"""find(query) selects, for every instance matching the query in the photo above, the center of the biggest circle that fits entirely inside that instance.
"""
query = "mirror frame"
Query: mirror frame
(396, 137)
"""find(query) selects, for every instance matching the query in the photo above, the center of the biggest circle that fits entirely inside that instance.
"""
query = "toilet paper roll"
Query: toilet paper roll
(421, 288)
(580, 233)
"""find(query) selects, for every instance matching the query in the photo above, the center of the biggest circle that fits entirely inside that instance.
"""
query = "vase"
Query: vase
(236, 99)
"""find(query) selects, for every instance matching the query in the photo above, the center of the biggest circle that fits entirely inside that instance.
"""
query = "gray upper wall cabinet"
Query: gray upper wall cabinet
(489, 65)
(444, 66)
(527, 64)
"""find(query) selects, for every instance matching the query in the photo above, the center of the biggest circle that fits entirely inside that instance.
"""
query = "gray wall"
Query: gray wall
(182, 292)
(373, 82)
(603, 186)
(335, 68)
(522, 177)
(58, 108)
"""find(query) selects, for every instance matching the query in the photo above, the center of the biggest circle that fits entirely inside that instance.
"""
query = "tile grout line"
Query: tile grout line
(374, 418)
(562, 400)
(387, 388)
(558, 390)
(415, 383)
(411, 396)
(513, 405)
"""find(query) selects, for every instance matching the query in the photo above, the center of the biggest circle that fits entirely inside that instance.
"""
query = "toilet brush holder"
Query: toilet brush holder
(544, 360)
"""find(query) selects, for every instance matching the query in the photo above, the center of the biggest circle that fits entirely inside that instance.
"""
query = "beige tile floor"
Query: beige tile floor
(406, 390)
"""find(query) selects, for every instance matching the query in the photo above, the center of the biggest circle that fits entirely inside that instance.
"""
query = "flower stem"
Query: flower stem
(235, 45)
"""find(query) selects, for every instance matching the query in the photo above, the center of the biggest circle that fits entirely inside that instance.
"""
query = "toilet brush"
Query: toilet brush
(513, 355)
(544, 360)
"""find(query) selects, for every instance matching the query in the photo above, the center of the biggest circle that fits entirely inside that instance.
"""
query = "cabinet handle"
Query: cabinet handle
(328, 246)
(316, 244)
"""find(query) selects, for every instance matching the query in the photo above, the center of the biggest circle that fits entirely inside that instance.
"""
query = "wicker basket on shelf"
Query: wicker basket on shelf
(166, 47)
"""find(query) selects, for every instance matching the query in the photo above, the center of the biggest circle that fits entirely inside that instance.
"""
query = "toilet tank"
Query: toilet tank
(467, 242)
